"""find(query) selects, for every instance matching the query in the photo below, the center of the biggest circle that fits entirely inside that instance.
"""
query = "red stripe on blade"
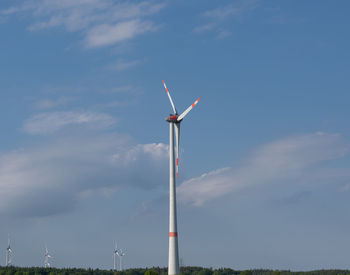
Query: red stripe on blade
(172, 234)
(165, 87)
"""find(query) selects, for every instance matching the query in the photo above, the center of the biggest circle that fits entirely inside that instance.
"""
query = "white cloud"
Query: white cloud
(51, 103)
(206, 27)
(51, 178)
(217, 18)
(284, 160)
(231, 10)
(103, 22)
(9, 11)
(50, 122)
(106, 34)
(122, 65)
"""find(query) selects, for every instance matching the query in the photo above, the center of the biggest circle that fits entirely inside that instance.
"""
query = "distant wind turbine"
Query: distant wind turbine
(174, 120)
(47, 257)
(8, 252)
(115, 254)
(121, 254)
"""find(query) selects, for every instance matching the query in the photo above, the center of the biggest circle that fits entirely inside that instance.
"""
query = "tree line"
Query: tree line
(186, 270)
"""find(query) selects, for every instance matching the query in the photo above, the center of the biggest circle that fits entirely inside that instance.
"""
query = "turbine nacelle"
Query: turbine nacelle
(173, 118)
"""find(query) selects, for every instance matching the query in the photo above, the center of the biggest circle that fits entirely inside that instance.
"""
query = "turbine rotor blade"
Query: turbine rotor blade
(171, 101)
(187, 110)
(177, 133)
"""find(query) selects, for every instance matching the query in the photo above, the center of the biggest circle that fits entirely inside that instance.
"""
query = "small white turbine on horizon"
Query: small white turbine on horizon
(47, 257)
(8, 252)
(174, 120)
(115, 254)
(121, 254)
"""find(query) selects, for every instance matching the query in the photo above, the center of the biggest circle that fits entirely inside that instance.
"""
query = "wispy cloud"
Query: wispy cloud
(122, 64)
(291, 159)
(102, 22)
(51, 103)
(50, 122)
(235, 9)
(218, 18)
(51, 178)
(107, 34)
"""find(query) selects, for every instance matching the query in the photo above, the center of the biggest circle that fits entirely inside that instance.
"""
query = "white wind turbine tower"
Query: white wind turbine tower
(174, 120)
(8, 252)
(121, 254)
(47, 257)
(115, 254)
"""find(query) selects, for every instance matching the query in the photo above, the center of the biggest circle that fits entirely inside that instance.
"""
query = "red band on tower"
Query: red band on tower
(172, 234)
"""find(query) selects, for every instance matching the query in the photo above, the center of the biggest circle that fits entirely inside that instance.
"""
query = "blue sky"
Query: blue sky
(264, 168)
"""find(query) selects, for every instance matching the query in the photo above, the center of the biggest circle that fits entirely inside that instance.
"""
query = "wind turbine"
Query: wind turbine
(174, 120)
(47, 257)
(121, 254)
(115, 253)
(8, 252)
